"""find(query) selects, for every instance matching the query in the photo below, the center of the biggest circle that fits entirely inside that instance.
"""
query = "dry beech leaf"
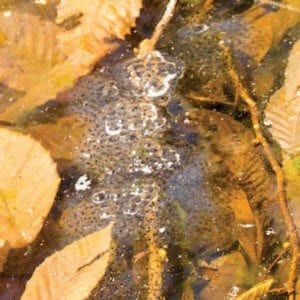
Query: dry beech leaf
(28, 185)
(73, 272)
(60, 138)
(257, 292)
(245, 226)
(260, 28)
(42, 59)
(283, 109)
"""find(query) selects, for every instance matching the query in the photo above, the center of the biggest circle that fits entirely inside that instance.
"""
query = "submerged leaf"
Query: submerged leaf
(60, 138)
(283, 109)
(28, 185)
(259, 28)
(42, 59)
(73, 272)
(224, 273)
(257, 292)
(246, 229)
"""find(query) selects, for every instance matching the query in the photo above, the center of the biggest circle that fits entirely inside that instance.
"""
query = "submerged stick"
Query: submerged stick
(148, 45)
(280, 178)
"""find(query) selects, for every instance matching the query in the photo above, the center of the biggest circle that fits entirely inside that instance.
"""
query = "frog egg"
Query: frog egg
(135, 201)
(154, 89)
(80, 220)
(149, 157)
(170, 158)
(113, 127)
(92, 92)
(99, 197)
(152, 75)
(150, 190)
(113, 133)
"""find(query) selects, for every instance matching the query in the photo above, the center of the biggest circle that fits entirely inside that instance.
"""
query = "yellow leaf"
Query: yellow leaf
(60, 138)
(283, 109)
(42, 59)
(257, 292)
(73, 272)
(28, 185)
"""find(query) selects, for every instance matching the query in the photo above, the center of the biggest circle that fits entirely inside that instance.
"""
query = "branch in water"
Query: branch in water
(148, 45)
(280, 178)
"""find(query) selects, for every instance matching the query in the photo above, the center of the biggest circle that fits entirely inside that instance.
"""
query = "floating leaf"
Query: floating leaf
(60, 138)
(42, 59)
(28, 185)
(283, 109)
(257, 292)
(73, 272)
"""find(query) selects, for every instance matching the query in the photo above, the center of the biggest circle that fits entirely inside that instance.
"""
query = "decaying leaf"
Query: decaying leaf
(260, 28)
(283, 109)
(60, 138)
(73, 272)
(246, 229)
(42, 58)
(257, 292)
(28, 185)
(223, 273)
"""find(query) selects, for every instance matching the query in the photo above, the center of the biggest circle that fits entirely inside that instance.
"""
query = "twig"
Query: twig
(148, 45)
(157, 256)
(281, 196)
(278, 291)
(275, 261)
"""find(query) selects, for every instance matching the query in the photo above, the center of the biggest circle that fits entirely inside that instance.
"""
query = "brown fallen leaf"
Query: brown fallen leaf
(73, 272)
(283, 109)
(28, 185)
(257, 292)
(260, 28)
(60, 138)
(227, 271)
(42, 58)
(246, 229)
(283, 114)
